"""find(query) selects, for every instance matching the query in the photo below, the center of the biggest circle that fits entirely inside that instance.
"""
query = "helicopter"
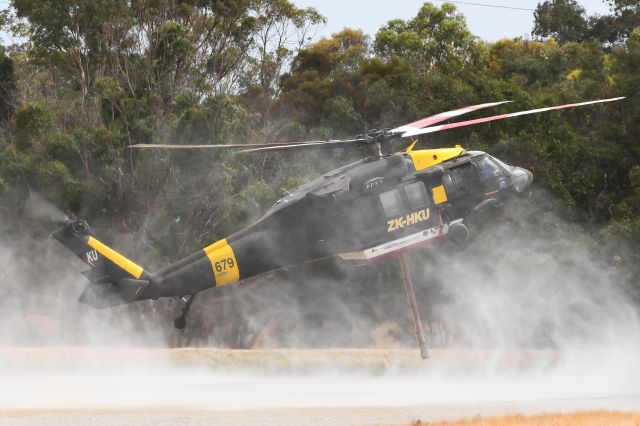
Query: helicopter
(368, 211)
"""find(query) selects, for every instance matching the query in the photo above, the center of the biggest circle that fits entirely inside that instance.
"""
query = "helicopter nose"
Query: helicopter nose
(521, 179)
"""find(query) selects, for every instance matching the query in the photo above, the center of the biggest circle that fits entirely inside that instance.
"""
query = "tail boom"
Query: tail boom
(116, 258)
(115, 279)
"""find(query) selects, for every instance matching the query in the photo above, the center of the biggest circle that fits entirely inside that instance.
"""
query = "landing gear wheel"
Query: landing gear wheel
(181, 322)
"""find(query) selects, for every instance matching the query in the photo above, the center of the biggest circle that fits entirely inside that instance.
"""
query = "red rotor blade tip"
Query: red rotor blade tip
(443, 116)
(443, 127)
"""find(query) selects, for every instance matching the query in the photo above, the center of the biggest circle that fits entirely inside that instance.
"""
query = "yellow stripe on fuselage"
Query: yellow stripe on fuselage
(223, 263)
(430, 157)
(115, 257)
(439, 194)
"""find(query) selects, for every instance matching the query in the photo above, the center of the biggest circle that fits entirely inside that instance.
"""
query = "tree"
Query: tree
(627, 15)
(327, 68)
(95, 76)
(437, 37)
(8, 87)
(70, 35)
(564, 20)
(283, 31)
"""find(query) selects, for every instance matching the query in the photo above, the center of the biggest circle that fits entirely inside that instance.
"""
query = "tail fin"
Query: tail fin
(115, 280)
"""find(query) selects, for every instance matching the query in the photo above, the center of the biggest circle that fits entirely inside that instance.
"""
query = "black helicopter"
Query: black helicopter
(366, 211)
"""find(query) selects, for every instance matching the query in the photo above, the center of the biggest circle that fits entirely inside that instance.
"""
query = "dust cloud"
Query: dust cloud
(529, 311)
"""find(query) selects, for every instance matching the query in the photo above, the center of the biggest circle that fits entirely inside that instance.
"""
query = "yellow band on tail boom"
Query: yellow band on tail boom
(115, 257)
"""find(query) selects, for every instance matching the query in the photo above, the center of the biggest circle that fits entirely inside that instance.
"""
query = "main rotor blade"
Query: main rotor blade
(308, 145)
(428, 121)
(500, 117)
(228, 146)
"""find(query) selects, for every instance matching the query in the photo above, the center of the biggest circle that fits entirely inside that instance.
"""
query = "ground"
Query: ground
(55, 386)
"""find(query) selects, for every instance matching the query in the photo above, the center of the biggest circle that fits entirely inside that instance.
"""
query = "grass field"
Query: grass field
(283, 360)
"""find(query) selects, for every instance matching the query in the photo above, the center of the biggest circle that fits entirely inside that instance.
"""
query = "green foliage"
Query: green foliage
(172, 45)
(634, 178)
(627, 228)
(339, 113)
(564, 20)
(526, 62)
(33, 123)
(626, 15)
(111, 93)
(13, 165)
(342, 52)
(58, 24)
(250, 203)
(98, 76)
(219, 119)
(7, 87)
(436, 37)
(95, 77)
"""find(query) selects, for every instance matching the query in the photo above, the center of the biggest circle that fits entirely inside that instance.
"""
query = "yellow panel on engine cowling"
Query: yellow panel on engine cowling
(425, 158)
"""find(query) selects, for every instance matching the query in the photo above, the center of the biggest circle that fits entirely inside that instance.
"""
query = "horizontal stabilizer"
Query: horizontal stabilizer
(113, 294)
(97, 276)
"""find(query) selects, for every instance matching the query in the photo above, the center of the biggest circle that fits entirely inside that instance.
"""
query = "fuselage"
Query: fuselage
(365, 204)
(364, 211)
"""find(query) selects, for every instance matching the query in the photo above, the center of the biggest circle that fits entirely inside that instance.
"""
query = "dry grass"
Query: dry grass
(285, 360)
(591, 418)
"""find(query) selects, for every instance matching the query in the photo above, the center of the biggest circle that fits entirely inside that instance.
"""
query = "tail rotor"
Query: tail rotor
(39, 209)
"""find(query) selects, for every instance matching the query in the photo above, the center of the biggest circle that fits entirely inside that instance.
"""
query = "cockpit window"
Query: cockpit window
(392, 203)
(466, 178)
(417, 194)
(488, 169)
(502, 164)
(447, 181)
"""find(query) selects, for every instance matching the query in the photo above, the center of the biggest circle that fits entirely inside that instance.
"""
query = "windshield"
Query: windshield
(503, 164)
